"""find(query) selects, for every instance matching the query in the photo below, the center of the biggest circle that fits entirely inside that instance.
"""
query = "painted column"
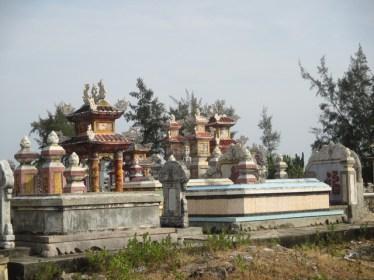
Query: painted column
(74, 175)
(118, 164)
(52, 168)
(95, 173)
(25, 174)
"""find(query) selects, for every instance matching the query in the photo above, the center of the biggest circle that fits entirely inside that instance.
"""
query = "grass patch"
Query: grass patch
(139, 256)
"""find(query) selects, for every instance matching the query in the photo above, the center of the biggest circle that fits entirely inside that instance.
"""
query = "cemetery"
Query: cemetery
(99, 189)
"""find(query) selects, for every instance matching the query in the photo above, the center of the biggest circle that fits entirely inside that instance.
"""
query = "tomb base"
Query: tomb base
(282, 202)
(67, 220)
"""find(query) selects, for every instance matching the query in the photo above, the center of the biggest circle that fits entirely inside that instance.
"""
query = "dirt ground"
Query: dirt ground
(351, 260)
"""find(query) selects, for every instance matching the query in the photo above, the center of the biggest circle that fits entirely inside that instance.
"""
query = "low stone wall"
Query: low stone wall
(369, 201)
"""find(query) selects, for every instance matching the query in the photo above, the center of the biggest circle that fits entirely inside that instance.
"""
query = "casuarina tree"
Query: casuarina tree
(149, 114)
(347, 110)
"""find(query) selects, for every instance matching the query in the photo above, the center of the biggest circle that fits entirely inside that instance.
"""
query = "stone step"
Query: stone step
(15, 252)
(190, 231)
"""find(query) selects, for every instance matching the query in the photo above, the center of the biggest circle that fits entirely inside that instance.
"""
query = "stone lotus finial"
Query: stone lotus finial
(73, 160)
(52, 138)
(102, 91)
(25, 143)
(172, 158)
(247, 155)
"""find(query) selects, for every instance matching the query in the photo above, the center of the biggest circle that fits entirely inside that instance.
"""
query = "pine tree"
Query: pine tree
(149, 114)
(186, 108)
(56, 121)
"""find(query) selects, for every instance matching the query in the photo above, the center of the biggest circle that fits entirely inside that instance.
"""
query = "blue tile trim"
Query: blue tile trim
(266, 217)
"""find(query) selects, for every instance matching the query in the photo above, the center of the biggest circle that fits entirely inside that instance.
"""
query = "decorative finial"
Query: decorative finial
(25, 143)
(172, 118)
(91, 102)
(52, 138)
(86, 96)
(102, 91)
(248, 155)
(94, 94)
(171, 158)
(73, 160)
(90, 133)
(279, 158)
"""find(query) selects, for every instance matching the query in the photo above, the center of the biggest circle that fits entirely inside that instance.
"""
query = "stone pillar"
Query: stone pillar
(4, 267)
(74, 175)
(348, 179)
(136, 172)
(25, 174)
(52, 168)
(6, 188)
(247, 170)
(280, 168)
(174, 177)
(95, 173)
(118, 171)
(213, 170)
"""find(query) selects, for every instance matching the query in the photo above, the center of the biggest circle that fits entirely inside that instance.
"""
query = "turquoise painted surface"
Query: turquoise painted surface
(267, 217)
(269, 184)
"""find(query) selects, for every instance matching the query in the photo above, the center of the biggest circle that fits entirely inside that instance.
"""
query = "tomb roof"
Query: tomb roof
(221, 120)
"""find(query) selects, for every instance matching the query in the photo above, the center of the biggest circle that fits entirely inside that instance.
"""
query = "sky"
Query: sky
(246, 52)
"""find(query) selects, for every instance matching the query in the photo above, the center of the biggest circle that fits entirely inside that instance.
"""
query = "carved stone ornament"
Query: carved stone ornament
(25, 143)
(73, 160)
(52, 138)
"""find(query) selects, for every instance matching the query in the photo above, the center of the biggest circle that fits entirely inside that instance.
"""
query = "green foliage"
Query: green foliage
(241, 263)
(56, 121)
(270, 138)
(347, 113)
(48, 271)
(149, 114)
(295, 167)
(271, 166)
(186, 108)
(224, 241)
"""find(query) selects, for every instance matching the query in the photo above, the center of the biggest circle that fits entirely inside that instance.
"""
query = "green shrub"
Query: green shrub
(225, 241)
(48, 271)
(137, 257)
